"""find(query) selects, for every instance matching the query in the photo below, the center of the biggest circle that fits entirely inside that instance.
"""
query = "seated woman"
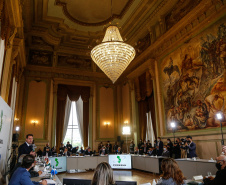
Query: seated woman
(172, 175)
(103, 175)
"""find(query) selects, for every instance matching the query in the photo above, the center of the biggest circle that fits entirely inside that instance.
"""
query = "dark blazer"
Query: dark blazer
(21, 176)
(88, 153)
(103, 152)
(49, 153)
(160, 149)
(218, 180)
(118, 152)
(177, 151)
(166, 154)
(24, 149)
(192, 150)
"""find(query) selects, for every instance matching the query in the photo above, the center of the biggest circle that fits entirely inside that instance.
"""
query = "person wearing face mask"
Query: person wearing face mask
(165, 152)
(220, 175)
(109, 146)
(159, 146)
(191, 147)
(22, 176)
(170, 147)
(103, 151)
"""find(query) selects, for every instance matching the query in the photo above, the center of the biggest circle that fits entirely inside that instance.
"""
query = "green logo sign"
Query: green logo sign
(1, 121)
(57, 162)
(119, 159)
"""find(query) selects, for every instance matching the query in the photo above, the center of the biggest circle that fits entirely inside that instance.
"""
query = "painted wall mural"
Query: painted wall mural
(193, 80)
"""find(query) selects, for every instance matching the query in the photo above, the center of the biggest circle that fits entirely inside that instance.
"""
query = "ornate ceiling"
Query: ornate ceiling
(61, 33)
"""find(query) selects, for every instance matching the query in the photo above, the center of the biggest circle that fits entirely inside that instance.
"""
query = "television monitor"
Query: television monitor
(69, 181)
(120, 161)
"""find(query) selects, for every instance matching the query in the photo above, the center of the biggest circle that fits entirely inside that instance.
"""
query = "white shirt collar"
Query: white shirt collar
(27, 144)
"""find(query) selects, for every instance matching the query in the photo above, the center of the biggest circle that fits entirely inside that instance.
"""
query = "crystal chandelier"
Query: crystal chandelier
(113, 55)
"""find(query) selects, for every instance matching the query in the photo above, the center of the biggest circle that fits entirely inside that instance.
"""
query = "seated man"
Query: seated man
(53, 150)
(103, 151)
(119, 151)
(21, 176)
(165, 152)
(47, 152)
(81, 151)
(152, 152)
(66, 152)
(88, 152)
(32, 172)
(74, 150)
(221, 173)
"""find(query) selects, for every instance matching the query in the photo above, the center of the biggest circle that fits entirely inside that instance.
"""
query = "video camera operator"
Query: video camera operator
(184, 148)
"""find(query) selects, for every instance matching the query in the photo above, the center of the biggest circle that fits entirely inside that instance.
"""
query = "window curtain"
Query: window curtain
(150, 135)
(79, 109)
(74, 93)
(66, 117)
(145, 97)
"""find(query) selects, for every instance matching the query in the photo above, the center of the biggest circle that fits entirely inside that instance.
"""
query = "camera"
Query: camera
(183, 141)
(14, 146)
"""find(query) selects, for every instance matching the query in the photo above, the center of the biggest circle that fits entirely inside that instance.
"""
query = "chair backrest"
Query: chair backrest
(126, 182)
(69, 181)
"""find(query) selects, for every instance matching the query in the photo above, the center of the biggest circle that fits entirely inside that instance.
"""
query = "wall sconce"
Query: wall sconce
(17, 128)
(126, 122)
(34, 122)
(16, 119)
(106, 123)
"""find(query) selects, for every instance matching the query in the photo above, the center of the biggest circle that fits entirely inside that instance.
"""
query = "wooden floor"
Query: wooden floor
(119, 175)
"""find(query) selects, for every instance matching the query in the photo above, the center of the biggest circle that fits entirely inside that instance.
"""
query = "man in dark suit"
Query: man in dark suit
(26, 148)
(22, 175)
(69, 146)
(119, 151)
(159, 146)
(47, 152)
(220, 175)
(109, 146)
(88, 152)
(191, 152)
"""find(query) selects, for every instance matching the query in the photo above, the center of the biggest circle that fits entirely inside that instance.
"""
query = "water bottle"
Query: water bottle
(153, 182)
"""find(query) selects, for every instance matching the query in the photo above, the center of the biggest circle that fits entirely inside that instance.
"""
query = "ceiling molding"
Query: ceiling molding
(114, 16)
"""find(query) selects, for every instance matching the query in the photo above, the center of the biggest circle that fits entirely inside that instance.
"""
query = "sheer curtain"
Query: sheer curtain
(66, 117)
(79, 109)
(150, 135)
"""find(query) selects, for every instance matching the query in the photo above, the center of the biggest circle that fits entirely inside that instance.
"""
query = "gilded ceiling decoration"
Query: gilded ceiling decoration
(74, 27)
(87, 13)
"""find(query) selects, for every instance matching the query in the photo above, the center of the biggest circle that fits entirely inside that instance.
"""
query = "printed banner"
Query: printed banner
(5, 121)
(120, 161)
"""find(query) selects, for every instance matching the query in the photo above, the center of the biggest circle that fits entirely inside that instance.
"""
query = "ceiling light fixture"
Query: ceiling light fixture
(113, 55)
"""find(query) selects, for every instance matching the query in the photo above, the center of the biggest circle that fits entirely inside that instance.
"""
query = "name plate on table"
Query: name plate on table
(120, 161)
(59, 163)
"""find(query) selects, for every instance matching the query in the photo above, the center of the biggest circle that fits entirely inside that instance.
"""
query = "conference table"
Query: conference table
(191, 167)
(152, 164)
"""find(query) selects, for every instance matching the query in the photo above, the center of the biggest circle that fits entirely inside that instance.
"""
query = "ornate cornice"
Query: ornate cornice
(114, 16)
(51, 72)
